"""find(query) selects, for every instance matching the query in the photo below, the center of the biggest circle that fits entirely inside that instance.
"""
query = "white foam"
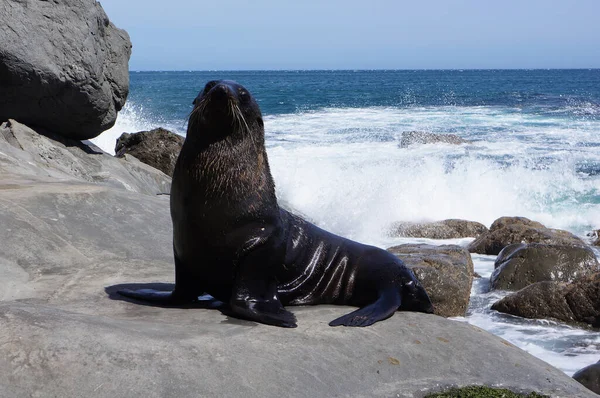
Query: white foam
(333, 166)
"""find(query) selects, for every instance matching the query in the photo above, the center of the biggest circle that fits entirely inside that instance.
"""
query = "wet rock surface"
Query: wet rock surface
(445, 229)
(506, 231)
(576, 303)
(521, 265)
(589, 377)
(446, 273)
(421, 137)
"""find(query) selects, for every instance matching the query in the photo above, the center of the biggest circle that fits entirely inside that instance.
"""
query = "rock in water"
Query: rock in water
(421, 137)
(509, 230)
(445, 229)
(63, 66)
(577, 302)
(158, 148)
(446, 273)
(521, 265)
(589, 377)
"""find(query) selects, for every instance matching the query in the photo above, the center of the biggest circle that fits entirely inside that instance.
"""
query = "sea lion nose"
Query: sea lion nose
(221, 92)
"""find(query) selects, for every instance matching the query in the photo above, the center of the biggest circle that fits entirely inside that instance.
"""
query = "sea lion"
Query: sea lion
(233, 241)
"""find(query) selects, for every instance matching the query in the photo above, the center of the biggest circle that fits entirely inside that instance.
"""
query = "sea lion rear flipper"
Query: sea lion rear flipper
(385, 306)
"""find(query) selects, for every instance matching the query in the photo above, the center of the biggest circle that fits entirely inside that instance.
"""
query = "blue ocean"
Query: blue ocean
(333, 145)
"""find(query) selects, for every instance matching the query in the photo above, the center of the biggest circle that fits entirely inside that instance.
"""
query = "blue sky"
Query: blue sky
(385, 34)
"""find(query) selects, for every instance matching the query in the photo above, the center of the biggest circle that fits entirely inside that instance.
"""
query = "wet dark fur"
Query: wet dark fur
(231, 239)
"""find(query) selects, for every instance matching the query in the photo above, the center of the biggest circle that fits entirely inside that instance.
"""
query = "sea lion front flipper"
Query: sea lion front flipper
(254, 294)
(385, 306)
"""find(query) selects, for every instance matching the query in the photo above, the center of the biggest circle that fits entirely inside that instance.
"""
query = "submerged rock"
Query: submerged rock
(510, 230)
(445, 229)
(577, 302)
(63, 66)
(589, 377)
(446, 273)
(421, 137)
(158, 148)
(521, 265)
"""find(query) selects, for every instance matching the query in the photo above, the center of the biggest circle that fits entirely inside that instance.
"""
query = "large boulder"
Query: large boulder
(446, 273)
(421, 137)
(589, 377)
(577, 302)
(63, 66)
(521, 265)
(509, 230)
(445, 229)
(158, 148)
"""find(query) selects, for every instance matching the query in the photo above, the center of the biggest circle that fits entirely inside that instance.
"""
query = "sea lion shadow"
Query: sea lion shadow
(206, 301)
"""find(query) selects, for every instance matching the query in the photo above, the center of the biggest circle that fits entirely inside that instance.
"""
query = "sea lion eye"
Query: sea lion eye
(209, 86)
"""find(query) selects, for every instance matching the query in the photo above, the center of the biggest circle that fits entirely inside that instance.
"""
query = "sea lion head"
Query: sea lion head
(414, 296)
(225, 110)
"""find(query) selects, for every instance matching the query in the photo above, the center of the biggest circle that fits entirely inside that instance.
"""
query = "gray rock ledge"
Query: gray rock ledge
(69, 243)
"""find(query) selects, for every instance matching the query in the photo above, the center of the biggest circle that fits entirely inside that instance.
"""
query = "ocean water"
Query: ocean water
(333, 145)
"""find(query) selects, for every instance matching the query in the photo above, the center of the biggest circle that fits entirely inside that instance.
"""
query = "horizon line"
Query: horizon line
(356, 70)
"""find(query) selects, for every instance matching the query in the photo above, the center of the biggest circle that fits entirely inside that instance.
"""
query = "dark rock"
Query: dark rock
(589, 377)
(445, 229)
(422, 137)
(521, 265)
(158, 148)
(577, 302)
(446, 273)
(510, 230)
(63, 66)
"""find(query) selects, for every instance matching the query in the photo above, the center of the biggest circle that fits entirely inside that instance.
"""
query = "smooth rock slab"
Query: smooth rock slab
(47, 351)
(44, 155)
